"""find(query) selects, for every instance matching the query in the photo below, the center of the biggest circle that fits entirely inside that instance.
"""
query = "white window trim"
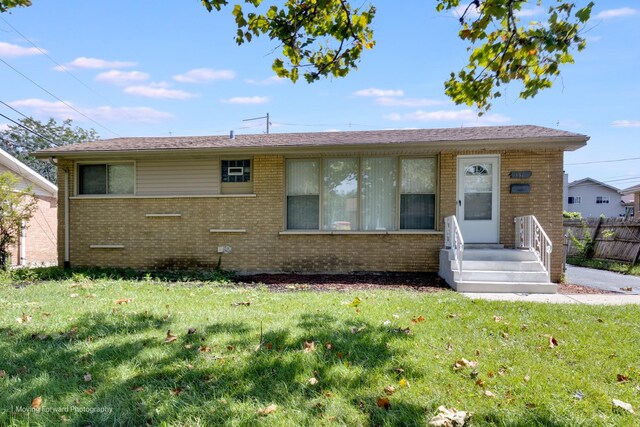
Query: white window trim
(359, 158)
(119, 162)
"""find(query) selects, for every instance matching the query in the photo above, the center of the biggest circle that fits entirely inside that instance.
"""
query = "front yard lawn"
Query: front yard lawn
(89, 351)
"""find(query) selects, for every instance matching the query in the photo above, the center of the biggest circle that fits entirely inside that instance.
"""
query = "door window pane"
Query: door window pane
(92, 179)
(478, 187)
(340, 194)
(477, 206)
(379, 182)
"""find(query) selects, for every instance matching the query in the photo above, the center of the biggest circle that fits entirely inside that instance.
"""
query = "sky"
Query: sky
(161, 68)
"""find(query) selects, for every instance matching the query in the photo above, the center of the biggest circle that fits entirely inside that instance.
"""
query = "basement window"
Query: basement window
(106, 178)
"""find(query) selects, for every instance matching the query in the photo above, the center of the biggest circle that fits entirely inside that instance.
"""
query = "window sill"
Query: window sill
(176, 196)
(106, 246)
(372, 233)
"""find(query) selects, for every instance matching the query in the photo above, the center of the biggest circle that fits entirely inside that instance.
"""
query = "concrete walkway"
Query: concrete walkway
(627, 289)
(590, 299)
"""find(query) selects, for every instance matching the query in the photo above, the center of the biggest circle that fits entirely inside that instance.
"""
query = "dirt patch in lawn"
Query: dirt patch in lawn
(419, 282)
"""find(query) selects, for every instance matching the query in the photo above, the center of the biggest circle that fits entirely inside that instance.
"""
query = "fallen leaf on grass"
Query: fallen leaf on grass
(356, 302)
(138, 389)
(355, 330)
(123, 301)
(622, 378)
(87, 377)
(552, 342)
(191, 331)
(403, 383)
(170, 337)
(389, 390)
(462, 363)
(452, 315)
(480, 383)
(619, 404)
(497, 318)
(24, 318)
(241, 303)
(448, 418)
(313, 381)
(268, 410)
(177, 391)
(328, 345)
(89, 391)
(504, 334)
(405, 331)
(188, 346)
(309, 346)
(39, 337)
(2, 374)
(36, 402)
(488, 393)
(383, 402)
(418, 319)
(527, 378)
(204, 349)
(578, 395)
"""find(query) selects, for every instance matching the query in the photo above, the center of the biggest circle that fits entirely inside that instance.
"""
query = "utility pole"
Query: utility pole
(260, 118)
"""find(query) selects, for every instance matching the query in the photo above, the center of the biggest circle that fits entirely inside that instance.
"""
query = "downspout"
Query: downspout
(67, 263)
(23, 244)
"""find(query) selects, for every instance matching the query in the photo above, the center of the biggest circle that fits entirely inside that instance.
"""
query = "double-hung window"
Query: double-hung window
(574, 200)
(366, 194)
(602, 200)
(106, 178)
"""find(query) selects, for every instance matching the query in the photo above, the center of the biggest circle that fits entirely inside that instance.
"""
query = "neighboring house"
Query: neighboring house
(593, 198)
(631, 197)
(306, 202)
(37, 243)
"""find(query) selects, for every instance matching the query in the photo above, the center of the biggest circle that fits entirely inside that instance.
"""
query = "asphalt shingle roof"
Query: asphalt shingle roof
(319, 139)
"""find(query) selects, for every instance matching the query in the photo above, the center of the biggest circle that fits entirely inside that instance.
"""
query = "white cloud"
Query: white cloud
(8, 50)
(117, 77)
(407, 102)
(527, 13)
(59, 110)
(626, 123)
(95, 64)
(465, 116)
(246, 100)
(203, 75)
(265, 82)
(379, 92)
(151, 91)
(616, 13)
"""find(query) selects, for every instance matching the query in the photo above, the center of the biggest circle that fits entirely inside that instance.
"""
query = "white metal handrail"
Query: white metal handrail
(453, 240)
(530, 235)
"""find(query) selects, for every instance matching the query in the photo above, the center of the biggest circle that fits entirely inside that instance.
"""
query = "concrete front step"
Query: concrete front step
(498, 255)
(501, 276)
(499, 265)
(506, 287)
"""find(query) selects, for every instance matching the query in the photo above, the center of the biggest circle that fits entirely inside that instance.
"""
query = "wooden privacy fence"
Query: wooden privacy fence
(615, 239)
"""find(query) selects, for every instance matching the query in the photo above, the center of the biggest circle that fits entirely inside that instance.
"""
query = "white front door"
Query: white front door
(478, 198)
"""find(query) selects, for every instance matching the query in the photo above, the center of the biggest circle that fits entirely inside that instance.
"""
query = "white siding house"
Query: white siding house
(593, 198)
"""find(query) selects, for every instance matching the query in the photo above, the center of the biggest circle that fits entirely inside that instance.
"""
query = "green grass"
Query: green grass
(601, 264)
(76, 328)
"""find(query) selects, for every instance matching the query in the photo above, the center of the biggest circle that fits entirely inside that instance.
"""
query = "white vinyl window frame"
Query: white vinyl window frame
(107, 195)
(574, 200)
(359, 212)
(602, 200)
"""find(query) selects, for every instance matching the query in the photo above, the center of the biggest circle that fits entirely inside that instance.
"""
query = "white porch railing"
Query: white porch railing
(453, 240)
(530, 235)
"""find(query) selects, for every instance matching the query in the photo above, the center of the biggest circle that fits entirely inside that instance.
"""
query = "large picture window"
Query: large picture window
(105, 178)
(367, 194)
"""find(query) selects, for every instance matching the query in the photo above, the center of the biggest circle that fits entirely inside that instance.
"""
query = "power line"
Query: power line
(61, 67)
(27, 129)
(54, 96)
(602, 161)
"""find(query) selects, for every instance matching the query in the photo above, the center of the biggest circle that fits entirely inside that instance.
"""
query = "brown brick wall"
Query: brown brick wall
(186, 241)
(41, 235)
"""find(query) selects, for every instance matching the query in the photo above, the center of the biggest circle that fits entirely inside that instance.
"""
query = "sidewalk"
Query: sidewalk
(591, 299)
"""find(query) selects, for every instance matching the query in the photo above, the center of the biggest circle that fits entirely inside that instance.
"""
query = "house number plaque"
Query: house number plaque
(520, 174)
